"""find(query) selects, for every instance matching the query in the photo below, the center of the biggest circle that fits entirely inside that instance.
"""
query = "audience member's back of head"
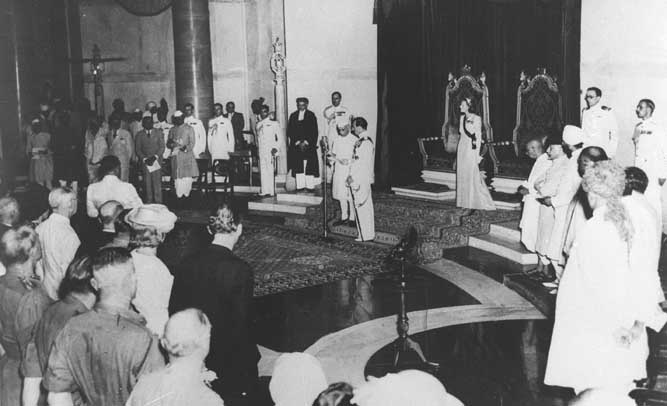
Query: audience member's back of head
(225, 220)
(61, 197)
(9, 211)
(108, 213)
(635, 180)
(111, 267)
(337, 394)
(18, 246)
(187, 333)
(406, 388)
(297, 380)
(77, 278)
(109, 165)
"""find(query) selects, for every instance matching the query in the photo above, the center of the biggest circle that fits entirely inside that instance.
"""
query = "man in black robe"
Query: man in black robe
(302, 155)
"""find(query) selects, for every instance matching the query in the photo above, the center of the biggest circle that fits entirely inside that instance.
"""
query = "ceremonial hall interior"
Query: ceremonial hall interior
(365, 202)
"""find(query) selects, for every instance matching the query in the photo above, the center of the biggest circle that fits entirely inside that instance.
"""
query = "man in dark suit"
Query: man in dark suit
(302, 135)
(221, 285)
(238, 123)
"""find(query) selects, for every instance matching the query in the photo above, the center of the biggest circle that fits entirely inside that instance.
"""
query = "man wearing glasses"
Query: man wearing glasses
(599, 123)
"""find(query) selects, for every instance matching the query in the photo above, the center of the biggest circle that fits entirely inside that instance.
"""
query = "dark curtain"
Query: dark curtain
(421, 41)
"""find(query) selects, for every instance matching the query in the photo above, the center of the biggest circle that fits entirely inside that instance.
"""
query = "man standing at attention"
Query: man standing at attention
(599, 124)
(360, 179)
(238, 123)
(121, 146)
(198, 127)
(651, 153)
(57, 240)
(220, 135)
(103, 352)
(302, 155)
(267, 138)
(336, 116)
(150, 148)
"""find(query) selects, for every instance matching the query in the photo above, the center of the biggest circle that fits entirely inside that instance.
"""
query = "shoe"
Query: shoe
(352, 223)
(339, 223)
(553, 291)
(552, 285)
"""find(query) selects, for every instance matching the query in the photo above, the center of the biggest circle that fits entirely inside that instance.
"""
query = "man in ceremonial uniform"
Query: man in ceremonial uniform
(267, 138)
(341, 155)
(302, 135)
(198, 127)
(360, 179)
(220, 135)
(336, 116)
(150, 149)
(651, 152)
(599, 124)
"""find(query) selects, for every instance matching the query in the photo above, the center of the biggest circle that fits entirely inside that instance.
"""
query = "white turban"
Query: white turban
(146, 114)
(297, 380)
(155, 216)
(573, 135)
(178, 113)
(406, 388)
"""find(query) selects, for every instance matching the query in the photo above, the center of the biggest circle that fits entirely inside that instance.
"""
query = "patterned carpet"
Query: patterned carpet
(282, 258)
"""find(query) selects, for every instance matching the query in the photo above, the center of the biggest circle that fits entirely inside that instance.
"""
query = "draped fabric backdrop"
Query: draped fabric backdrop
(421, 41)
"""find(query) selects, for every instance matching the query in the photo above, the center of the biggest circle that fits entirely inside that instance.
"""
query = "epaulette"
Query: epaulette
(605, 108)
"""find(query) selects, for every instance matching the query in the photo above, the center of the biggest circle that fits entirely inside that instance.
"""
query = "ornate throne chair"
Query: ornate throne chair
(538, 115)
(439, 153)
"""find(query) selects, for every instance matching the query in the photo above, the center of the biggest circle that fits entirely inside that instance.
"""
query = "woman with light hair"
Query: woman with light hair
(149, 226)
(599, 339)
(184, 381)
(22, 302)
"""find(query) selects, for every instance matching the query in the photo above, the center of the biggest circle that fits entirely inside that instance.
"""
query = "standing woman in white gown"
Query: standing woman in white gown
(471, 191)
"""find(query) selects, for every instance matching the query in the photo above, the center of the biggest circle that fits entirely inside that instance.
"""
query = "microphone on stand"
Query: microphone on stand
(324, 147)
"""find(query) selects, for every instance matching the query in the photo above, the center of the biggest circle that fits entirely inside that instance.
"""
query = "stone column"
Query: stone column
(278, 68)
(192, 56)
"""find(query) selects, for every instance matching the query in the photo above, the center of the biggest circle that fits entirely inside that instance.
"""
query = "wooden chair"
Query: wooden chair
(538, 115)
(439, 153)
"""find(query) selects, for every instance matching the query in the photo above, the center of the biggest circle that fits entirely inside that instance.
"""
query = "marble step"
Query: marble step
(509, 249)
(426, 190)
(508, 230)
(273, 205)
(380, 237)
(503, 205)
(306, 198)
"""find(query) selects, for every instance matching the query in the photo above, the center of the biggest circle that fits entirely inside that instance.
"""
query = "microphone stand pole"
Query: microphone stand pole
(325, 151)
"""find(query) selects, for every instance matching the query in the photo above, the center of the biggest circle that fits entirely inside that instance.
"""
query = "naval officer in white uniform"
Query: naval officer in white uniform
(599, 124)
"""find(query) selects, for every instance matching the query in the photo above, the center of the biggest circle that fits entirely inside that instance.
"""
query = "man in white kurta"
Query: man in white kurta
(599, 123)
(651, 153)
(268, 134)
(334, 114)
(598, 339)
(121, 145)
(531, 207)
(198, 126)
(164, 126)
(359, 181)
(220, 135)
(341, 155)
(110, 188)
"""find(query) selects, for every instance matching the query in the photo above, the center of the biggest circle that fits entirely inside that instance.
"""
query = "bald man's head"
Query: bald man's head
(109, 212)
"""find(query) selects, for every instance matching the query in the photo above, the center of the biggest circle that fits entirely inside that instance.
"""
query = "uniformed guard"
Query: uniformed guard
(220, 135)
(360, 179)
(268, 147)
(651, 152)
(599, 124)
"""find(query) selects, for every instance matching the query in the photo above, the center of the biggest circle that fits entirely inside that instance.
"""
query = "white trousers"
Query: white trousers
(183, 187)
(266, 175)
(305, 181)
(366, 220)
(346, 210)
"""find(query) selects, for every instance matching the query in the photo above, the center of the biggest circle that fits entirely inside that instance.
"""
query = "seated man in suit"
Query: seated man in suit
(238, 123)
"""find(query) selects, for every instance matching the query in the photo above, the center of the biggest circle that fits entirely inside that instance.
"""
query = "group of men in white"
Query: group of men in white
(559, 213)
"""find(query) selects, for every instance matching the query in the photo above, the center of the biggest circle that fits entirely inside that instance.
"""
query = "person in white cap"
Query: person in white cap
(598, 123)
(220, 135)
(335, 115)
(134, 126)
(531, 207)
(39, 151)
(150, 224)
(183, 163)
(268, 146)
(198, 127)
(186, 340)
(651, 153)
(297, 380)
(406, 388)
(561, 199)
(121, 145)
(341, 155)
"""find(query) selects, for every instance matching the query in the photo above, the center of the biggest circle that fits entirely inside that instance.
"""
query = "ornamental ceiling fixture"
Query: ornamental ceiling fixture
(145, 7)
